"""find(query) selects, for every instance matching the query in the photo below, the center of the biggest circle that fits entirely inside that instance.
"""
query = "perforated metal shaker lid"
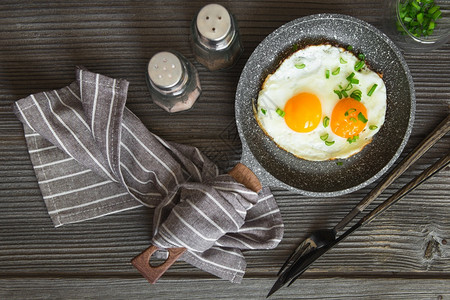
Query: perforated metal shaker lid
(213, 22)
(165, 69)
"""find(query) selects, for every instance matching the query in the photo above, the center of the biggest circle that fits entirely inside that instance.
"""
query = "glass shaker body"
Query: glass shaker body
(173, 81)
(215, 39)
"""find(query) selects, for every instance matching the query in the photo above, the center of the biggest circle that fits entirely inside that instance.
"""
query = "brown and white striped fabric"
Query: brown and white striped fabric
(93, 157)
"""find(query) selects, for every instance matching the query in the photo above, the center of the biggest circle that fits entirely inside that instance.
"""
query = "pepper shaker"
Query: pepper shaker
(173, 81)
(215, 37)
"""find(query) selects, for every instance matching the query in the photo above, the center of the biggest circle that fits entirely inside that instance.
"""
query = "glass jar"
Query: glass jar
(397, 24)
(215, 38)
(173, 81)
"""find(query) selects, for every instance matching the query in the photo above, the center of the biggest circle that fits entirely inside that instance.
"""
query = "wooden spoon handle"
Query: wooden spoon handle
(241, 174)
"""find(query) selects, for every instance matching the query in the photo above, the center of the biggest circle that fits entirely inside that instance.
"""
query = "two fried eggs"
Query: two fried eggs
(322, 103)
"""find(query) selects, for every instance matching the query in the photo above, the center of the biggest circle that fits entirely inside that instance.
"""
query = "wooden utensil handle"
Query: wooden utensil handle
(423, 147)
(241, 174)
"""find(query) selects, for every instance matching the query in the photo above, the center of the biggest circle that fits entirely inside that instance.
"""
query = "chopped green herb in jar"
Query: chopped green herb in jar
(418, 17)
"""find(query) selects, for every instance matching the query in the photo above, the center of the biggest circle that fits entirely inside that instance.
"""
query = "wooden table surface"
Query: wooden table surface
(404, 254)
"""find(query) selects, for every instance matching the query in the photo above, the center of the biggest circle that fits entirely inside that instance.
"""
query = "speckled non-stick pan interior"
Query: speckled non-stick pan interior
(276, 167)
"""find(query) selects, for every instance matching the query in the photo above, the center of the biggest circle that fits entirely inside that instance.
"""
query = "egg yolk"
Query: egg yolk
(347, 119)
(303, 112)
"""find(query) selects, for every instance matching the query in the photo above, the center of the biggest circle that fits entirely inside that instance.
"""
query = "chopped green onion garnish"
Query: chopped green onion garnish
(351, 110)
(418, 17)
(326, 121)
(329, 143)
(280, 112)
(349, 86)
(359, 65)
(327, 74)
(335, 72)
(433, 9)
(294, 47)
(372, 89)
(338, 93)
(431, 26)
(263, 111)
(356, 94)
(350, 48)
(344, 93)
(362, 118)
(342, 61)
(353, 139)
(373, 127)
(339, 163)
(300, 66)
(350, 77)
(436, 15)
(361, 56)
(324, 137)
(353, 119)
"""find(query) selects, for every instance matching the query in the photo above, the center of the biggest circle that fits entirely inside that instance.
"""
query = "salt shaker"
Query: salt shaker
(173, 81)
(215, 37)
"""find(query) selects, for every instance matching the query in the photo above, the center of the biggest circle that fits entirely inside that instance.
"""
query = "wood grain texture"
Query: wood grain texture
(310, 288)
(403, 254)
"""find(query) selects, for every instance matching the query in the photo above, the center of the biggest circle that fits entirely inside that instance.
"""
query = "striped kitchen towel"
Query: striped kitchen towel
(93, 157)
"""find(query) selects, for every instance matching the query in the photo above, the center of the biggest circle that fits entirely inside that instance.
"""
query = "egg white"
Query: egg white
(289, 80)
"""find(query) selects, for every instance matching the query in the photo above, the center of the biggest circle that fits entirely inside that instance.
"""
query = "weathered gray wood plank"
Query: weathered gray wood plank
(309, 288)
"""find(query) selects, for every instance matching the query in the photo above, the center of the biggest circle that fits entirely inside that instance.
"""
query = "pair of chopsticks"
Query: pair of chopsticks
(301, 264)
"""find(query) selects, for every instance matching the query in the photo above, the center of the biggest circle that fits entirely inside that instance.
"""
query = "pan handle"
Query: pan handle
(152, 274)
(241, 174)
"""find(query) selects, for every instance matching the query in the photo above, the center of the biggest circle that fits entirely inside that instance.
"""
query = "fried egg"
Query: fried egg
(322, 103)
